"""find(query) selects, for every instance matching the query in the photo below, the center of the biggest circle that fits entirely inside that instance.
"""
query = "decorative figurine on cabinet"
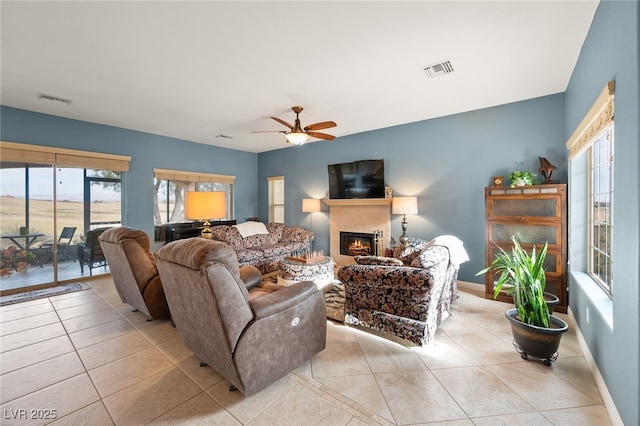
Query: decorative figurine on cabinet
(546, 169)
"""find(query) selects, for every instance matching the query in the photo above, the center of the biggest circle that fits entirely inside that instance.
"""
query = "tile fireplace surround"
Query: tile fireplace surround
(361, 215)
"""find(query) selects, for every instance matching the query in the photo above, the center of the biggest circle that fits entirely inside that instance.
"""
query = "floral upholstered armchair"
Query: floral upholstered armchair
(407, 295)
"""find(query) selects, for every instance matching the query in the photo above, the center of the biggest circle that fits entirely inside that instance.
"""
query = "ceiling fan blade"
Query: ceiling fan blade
(269, 131)
(284, 123)
(321, 125)
(321, 136)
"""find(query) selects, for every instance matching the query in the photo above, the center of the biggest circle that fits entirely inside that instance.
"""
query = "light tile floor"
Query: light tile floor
(85, 358)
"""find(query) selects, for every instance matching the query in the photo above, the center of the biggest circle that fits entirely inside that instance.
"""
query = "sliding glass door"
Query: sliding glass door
(26, 209)
(46, 212)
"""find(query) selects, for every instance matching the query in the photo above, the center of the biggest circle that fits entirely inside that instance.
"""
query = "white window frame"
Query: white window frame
(276, 199)
(600, 172)
(597, 122)
(195, 181)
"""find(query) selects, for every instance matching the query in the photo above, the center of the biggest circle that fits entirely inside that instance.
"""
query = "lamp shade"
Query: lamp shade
(311, 205)
(297, 139)
(404, 205)
(205, 205)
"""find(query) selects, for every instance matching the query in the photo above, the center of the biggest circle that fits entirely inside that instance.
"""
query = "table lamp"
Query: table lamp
(205, 206)
(404, 206)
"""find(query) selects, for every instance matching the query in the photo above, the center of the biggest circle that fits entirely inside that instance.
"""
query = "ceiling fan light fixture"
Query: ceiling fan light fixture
(296, 138)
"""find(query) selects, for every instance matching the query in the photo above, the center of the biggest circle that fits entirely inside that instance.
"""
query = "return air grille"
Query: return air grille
(52, 98)
(438, 70)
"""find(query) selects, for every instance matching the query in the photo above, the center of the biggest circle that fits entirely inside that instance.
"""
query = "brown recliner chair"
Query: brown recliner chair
(251, 332)
(134, 271)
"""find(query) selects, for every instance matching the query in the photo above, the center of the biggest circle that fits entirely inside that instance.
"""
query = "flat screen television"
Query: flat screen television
(358, 179)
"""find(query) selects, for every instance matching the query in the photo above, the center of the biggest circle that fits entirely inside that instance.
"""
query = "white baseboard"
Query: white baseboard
(614, 416)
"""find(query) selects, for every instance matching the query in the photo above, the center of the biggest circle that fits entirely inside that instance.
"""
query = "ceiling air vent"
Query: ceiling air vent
(51, 98)
(438, 70)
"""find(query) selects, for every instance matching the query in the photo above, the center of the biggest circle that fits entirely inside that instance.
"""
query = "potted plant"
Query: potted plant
(13, 259)
(535, 331)
(522, 178)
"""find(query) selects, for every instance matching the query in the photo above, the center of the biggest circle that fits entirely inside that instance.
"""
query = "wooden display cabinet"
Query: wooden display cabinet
(535, 215)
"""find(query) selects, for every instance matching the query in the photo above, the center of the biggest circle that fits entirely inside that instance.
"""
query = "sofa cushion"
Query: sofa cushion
(294, 246)
(296, 233)
(263, 241)
(280, 249)
(249, 256)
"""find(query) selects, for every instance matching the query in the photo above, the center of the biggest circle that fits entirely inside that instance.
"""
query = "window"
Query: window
(601, 208)
(102, 200)
(595, 135)
(276, 199)
(46, 190)
(171, 185)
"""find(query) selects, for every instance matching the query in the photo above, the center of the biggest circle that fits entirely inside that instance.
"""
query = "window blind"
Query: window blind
(177, 175)
(276, 199)
(61, 157)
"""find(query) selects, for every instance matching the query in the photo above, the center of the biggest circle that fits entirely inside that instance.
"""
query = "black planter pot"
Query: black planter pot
(552, 300)
(538, 342)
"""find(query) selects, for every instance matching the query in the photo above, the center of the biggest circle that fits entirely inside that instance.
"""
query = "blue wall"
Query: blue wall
(612, 329)
(147, 151)
(446, 162)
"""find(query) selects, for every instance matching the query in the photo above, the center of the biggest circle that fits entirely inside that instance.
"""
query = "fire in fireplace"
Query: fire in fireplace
(357, 244)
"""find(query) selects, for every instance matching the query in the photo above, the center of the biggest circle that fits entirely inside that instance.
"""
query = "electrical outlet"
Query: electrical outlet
(587, 314)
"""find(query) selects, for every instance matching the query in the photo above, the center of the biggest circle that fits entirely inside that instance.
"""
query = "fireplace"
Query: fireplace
(370, 215)
(357, 244)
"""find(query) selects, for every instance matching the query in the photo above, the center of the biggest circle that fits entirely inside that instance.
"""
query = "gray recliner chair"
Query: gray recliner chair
(134, 270)
(251, 332)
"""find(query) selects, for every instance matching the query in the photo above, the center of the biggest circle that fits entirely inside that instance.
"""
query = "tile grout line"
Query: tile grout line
(86, 371)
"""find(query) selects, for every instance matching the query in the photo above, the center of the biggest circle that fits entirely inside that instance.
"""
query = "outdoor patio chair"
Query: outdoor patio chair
(89, 251)
(64, 241)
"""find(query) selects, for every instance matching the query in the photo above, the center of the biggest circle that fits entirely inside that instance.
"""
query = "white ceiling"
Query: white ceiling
(195, 70)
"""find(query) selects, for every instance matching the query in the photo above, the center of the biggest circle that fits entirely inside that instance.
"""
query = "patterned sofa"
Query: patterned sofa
(407, 295)
(265, 251)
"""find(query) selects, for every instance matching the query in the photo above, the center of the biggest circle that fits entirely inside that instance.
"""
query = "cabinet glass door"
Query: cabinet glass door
(552, 262)
(512, 207)
(537, 234)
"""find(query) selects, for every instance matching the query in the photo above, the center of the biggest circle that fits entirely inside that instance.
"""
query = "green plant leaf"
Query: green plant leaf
(526, 276)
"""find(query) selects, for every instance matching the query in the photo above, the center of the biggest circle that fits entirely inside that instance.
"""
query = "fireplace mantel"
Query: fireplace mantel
(364, 215)
(358, 202)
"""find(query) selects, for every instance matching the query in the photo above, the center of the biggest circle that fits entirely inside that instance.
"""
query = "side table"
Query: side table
(320, 272)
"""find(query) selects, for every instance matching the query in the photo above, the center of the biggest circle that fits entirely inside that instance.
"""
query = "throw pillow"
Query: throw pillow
(410, 249)
(275, 229)
(229, 235)
(430, 256)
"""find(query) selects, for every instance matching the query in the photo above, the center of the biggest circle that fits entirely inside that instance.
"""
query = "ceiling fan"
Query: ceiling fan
(297, 135)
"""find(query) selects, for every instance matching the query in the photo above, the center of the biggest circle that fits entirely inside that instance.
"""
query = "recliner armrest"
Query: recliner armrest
(250, 276)
(280, 300)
